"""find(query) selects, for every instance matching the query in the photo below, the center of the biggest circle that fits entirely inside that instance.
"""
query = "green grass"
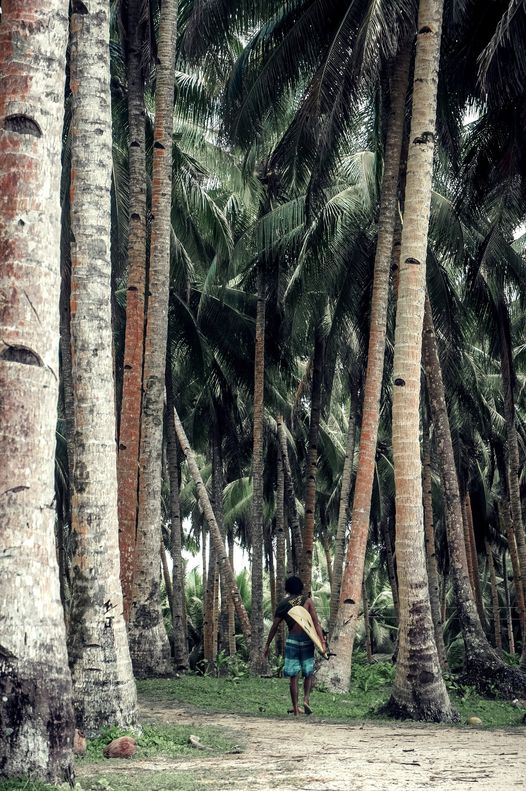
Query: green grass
(268, 697)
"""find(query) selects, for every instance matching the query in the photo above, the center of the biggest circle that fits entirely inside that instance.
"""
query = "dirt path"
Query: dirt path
(338, 757)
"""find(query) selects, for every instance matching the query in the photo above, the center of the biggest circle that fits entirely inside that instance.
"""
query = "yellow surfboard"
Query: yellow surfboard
(303, 619)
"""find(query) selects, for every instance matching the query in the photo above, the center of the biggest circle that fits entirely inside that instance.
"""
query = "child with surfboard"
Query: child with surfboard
(299, 613)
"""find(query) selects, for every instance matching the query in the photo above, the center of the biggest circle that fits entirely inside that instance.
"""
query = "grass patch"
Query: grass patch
(269, 697)
(129, 781)
(169, 741)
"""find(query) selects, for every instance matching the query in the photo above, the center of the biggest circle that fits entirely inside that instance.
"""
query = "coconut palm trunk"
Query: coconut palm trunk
(218, 485)
(509, 622)
(421, 694)
(386, 535)
(130, 414)
(180, 639)
(281, 546)
(225, 567)
(103, 685)
(343, 517)
(514, 468)
(431, 560)
(149, 645)
(257, 662)
(230, 604)
(507, 530)
(486, 669)
(36, 715)
(312, 458)
(290, 497)
(336, 673)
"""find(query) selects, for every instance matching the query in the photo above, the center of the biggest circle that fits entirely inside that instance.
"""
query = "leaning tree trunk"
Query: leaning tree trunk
(420, 693)
(290, 496)
(36, 715)
(343, 517)
(257, 662)
(431, 560)
(225, 567)
(149, 646)
(130, 415)
(312, 458)
(485, 668)
(180, 639)
(103, 685)
(336, 673)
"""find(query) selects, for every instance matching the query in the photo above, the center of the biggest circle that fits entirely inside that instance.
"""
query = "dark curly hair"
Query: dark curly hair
(293, 585)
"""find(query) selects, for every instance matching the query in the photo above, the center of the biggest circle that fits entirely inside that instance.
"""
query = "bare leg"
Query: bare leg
(294, 694)
(307, 686)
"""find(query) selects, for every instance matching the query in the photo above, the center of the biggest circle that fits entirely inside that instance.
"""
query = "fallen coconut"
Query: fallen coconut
(123, 747)
(474, 721)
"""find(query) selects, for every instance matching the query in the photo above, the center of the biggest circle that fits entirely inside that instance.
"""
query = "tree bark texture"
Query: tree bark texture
(281, 547)
(514, 469)
(209, 631)
(312, 458)
(431, 560)
(218, 486)
(103, 684)
(391, 571)
(367, 625)
(484, 667)
(475, 563)
(290, 497)
(36, 715)
(180, 639)
(336, 673)
(418, 690)
(257, 662)
(509, 621)
(230, 604)
(130, 413)
(215, 534)
(149, 645)
(340, 540)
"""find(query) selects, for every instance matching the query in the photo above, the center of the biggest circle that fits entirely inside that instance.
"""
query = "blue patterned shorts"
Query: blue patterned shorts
(299, 656)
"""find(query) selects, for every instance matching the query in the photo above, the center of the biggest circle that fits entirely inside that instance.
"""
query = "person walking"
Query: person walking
(299, 648)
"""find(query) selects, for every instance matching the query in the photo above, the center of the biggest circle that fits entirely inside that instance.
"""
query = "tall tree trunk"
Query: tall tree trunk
(257, 662)
(230, 603)
(421, 694)
(35, 685)
(290, 496)
(509, 621)
(507, 373)
(312, 458)
(475, 563)
(167, 578)
(494, 598)
(103, 685)
(326, 544)
(336, 673)
(486, 669)
(467, 543)
(180, 638)
(130, 413)
(343, 516)
(203, 553)
(217, 489)
(215, 534)
(507, 529)
(149, 645)
(429, 537)
(386, 534)
(280, 547)
(209, 634)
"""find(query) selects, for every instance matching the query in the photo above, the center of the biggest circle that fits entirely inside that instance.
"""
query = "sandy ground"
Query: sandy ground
(337, 757)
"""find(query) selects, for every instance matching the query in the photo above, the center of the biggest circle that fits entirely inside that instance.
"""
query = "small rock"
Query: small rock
(123, 747)
(79, 743)
(518, 703)
(474, 721)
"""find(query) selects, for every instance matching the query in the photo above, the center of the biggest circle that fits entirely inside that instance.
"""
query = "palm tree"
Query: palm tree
(423, 694)
(130, 414)
(149, 646)
(36, 716)
(103, 685)
(350, 591)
